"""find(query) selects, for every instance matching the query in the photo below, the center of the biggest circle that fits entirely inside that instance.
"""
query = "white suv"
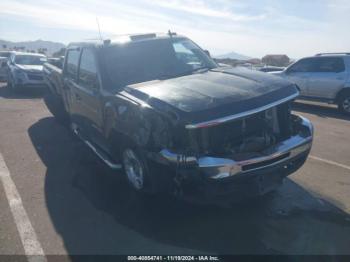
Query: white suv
(25, 70)
(324, 78)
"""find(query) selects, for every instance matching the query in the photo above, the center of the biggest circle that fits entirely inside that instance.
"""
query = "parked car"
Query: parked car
(4, 55)
(160, 108)
(56, 61)
(324, 78)
(3, 68)
(25, 70)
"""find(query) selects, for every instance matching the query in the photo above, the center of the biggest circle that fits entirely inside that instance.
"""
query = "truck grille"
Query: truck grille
(246, 136)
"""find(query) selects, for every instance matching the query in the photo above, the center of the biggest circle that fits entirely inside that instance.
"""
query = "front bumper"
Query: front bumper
(275, 162)
(29, 80)
(219, 168)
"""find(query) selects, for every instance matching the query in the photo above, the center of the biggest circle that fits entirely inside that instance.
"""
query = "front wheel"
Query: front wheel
(344, 104)
(137, 171)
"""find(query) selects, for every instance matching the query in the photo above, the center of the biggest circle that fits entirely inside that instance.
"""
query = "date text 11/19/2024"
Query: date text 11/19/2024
(174, 258)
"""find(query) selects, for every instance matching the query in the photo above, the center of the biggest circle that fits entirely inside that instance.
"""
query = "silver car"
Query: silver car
(323, 78)
(25, 70)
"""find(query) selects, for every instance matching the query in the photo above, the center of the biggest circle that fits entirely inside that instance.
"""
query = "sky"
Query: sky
(251, 27)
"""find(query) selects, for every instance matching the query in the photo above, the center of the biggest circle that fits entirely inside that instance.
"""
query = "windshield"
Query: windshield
(143, 61)
(30, 60)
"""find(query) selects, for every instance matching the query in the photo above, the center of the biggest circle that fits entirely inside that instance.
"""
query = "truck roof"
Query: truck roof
(334, 54)
(122, 39)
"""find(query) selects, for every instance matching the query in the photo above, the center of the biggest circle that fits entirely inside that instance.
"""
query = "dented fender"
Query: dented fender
(141, 125)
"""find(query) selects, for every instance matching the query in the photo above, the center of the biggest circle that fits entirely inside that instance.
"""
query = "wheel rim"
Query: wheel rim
(133, 169)
(346, 104)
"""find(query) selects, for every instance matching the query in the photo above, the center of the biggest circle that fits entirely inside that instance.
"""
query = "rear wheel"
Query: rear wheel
(344, 103)
(56, 106)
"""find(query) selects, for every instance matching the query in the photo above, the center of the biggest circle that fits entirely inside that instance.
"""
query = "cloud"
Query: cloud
(69, 16)
(252, 27)
(198, 7)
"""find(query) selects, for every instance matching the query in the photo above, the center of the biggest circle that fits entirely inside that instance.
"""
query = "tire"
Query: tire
(344, 103)
(55, 105)
(137, 171)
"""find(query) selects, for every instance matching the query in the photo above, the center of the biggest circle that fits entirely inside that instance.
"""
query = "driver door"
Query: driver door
(89, 97)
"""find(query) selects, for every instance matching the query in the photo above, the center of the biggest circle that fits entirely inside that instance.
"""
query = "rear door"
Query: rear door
(299, 73)
(327, 78)
(88, 93)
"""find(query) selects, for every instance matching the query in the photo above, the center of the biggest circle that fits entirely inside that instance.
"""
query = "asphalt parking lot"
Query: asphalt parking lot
(76, 205)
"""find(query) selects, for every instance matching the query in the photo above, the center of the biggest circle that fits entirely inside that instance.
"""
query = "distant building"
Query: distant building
(276, 60)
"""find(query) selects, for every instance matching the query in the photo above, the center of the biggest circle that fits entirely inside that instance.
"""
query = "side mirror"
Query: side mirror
(207, 52)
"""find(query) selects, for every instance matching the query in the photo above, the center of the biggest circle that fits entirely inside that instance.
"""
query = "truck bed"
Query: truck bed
(53, 77)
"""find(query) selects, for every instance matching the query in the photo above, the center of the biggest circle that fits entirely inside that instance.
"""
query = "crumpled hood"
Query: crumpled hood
(228, 90)
(31, 68)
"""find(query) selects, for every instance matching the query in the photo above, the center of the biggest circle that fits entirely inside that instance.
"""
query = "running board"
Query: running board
(103, 156)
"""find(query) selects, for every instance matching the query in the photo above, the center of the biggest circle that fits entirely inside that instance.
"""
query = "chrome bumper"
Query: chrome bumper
(218, 168)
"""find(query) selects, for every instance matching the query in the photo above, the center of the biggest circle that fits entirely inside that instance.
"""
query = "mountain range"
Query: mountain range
(233, 55)
(33, 45)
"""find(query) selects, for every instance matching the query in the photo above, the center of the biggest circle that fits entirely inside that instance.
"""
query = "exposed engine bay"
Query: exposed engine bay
(245, 137)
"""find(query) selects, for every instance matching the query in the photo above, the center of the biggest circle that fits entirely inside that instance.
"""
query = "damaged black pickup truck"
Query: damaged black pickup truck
(160, 108)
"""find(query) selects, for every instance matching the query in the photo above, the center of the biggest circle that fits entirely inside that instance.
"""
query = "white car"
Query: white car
(323, 78)
(25, 70)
